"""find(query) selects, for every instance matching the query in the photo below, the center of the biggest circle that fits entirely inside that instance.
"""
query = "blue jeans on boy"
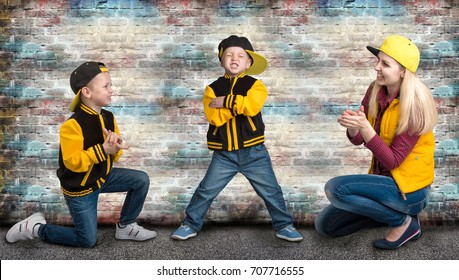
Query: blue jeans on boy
(84, 209)
(255, 164)
(364, 201)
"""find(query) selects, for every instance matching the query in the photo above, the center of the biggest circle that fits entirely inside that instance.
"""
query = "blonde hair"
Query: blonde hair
(418, 113)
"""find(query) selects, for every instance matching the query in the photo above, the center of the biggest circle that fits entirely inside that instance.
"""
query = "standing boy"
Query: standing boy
(89, 144)
(232, 105)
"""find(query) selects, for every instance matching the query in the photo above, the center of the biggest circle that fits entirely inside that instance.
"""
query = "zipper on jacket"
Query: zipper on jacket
(232, 131)
(102, 123)
(235, 136)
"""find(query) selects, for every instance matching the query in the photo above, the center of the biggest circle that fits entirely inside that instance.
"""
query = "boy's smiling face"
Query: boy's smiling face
(235, 60)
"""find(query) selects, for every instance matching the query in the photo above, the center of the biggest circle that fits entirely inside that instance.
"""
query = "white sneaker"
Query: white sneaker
(134, 232)
(25, 229)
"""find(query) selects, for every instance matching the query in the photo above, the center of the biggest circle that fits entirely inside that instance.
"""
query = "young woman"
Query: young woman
(395, 122)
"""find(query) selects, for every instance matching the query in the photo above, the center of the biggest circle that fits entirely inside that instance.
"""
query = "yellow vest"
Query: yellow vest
(417, 170)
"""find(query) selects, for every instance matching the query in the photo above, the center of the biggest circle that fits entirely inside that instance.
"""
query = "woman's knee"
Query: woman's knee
(332, 187)
(320, 227)
(321, 224)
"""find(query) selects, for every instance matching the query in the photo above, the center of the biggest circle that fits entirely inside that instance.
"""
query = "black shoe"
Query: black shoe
(412, 231)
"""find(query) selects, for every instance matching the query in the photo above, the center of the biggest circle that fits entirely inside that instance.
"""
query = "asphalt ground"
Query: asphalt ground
(243, 251)
(242, 242)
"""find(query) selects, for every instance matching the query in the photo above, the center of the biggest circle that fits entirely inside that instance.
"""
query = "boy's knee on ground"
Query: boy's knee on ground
(87, 242)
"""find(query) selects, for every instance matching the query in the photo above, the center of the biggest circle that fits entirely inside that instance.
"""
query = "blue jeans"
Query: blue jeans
(84, 209)
(255, 164)
(363, 201)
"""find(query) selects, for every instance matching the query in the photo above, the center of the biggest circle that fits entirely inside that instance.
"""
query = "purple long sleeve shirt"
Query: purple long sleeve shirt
(386, 157)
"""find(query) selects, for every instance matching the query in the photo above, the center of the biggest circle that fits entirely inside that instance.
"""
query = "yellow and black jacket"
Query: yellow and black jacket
(239, 125)
(83, 163)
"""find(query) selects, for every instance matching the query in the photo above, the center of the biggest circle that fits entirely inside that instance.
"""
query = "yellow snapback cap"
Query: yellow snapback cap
(402, 49)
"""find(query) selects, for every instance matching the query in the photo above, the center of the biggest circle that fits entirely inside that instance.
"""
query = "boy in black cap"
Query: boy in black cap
(89, 144)
(232, 105)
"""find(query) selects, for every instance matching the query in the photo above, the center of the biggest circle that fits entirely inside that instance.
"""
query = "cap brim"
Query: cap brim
(373, 50)
(75, 102)
(259, 63)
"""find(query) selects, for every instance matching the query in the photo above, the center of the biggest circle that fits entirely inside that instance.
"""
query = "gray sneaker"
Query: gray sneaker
(26, 229)
(134, 232)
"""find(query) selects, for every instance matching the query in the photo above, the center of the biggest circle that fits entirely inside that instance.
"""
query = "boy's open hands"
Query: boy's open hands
(113, 142)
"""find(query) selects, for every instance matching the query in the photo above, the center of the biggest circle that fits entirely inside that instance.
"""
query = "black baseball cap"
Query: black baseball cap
(81, 76)
(259, 63)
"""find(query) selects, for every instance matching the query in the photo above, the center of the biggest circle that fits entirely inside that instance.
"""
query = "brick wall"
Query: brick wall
(161, 54)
